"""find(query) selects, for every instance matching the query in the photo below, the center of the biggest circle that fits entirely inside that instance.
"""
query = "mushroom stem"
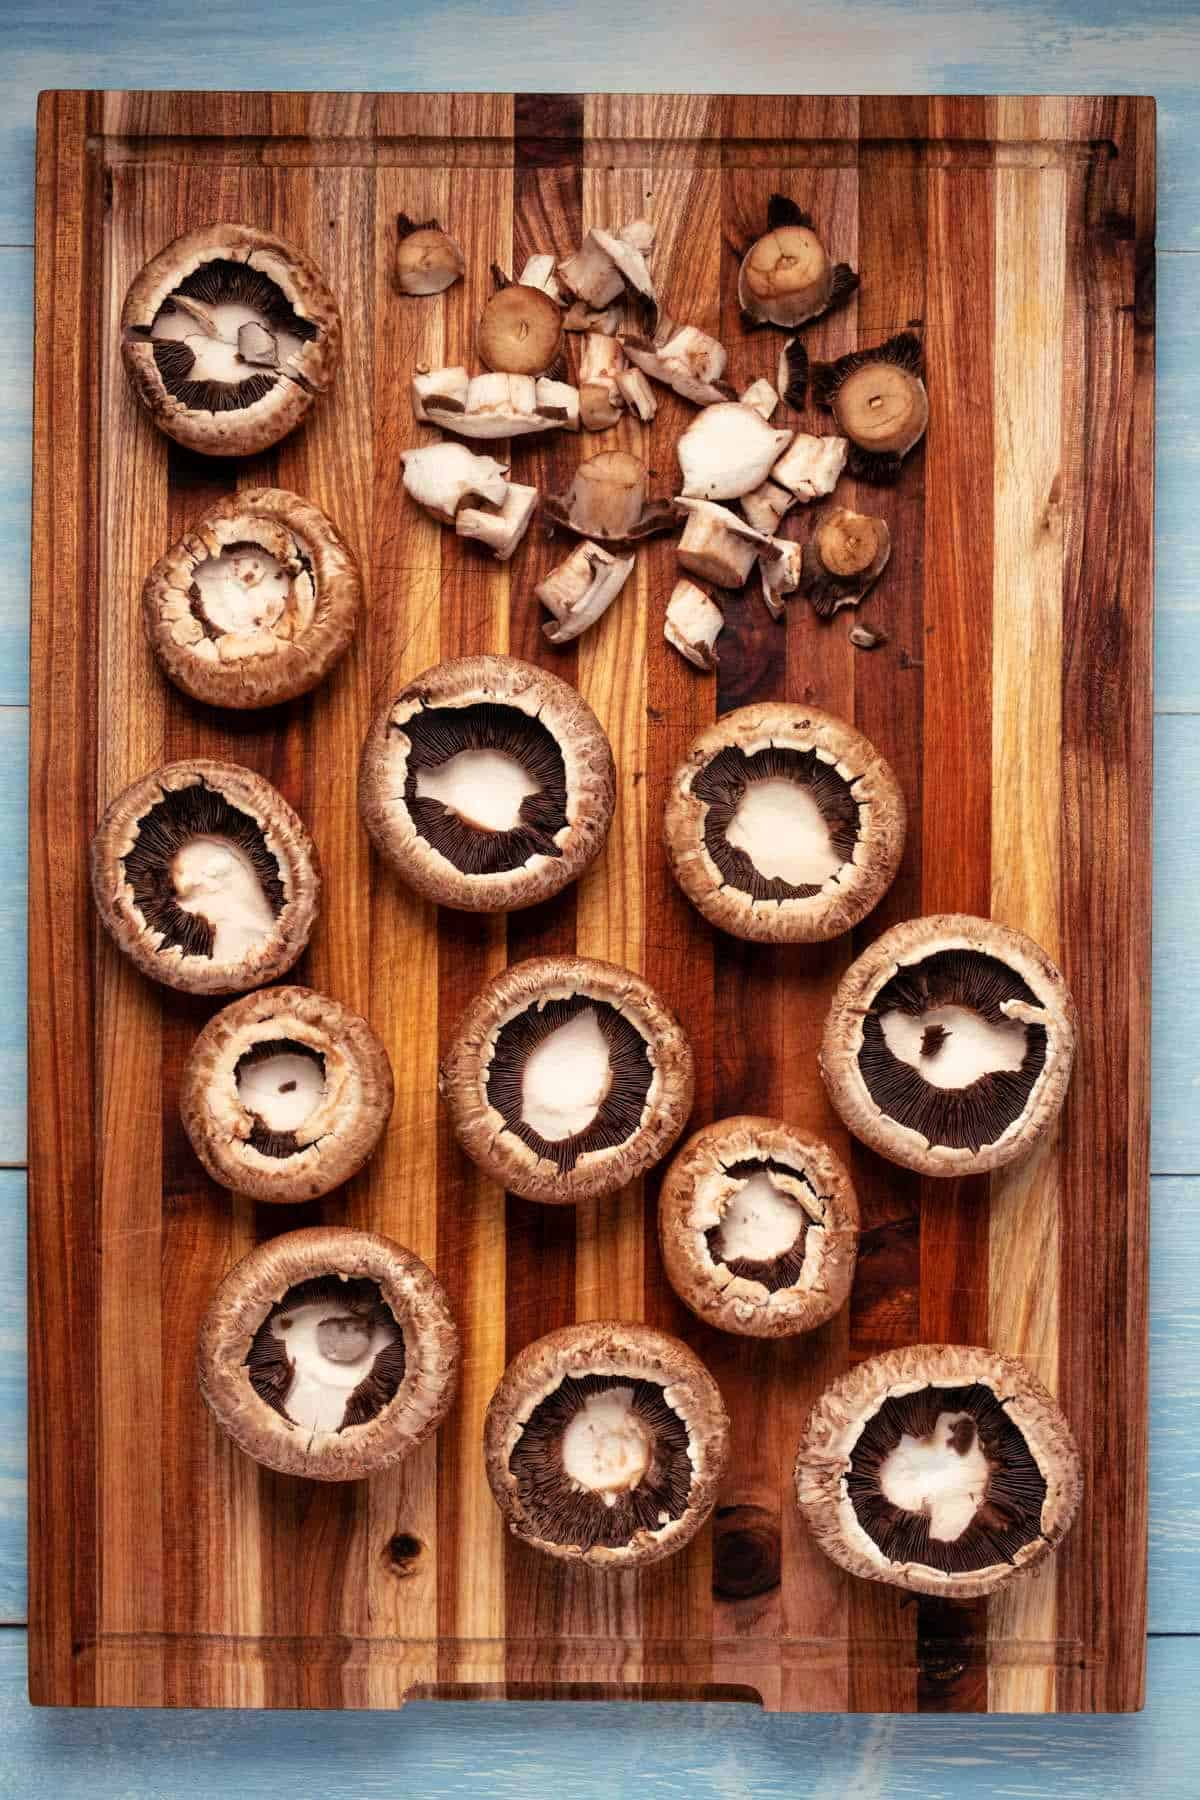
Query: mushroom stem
(718, 546)
(600, 364)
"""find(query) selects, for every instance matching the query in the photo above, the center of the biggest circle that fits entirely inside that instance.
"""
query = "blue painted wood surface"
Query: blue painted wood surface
(1145, 46)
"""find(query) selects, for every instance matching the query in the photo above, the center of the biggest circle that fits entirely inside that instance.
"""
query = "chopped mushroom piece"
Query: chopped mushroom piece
(629, 261)
(863, 638)
(539, 273)
(581, 590)
(607, 501)
(786, 276)
(559, 401)
(440, 477)
(502, 528)
(693, 624)
(591, 274)
(761, 397)
(765, 506)
(257, 345)
(520, 332)
(810, 467)
(446, 389)
(846, 555)
(427, 259)
(684, 358)
(728, 450)
(494, 405)
(781, 574)
(601, 361)
(718, 546)
(637, 394)
(579, 316)
(879, 401)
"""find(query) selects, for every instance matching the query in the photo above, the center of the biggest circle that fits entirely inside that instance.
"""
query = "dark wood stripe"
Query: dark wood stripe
(1107, 405)
(547, 131)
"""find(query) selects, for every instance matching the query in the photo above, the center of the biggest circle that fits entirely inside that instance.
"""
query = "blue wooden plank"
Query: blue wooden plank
(881, 46)
(14, 751)
(16, 397)
(1175, 1063)
(1177, 516)
(602, 1752)
(13, 1364)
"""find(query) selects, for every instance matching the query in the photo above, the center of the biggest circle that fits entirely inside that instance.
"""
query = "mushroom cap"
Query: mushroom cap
(278, 662)
(248, 429)
(520, 331)
(339, 1134)
(849, 894)
(286, 839)
(882, 406)
(696, 1187)
(786, 276)
(587, 762)
(483, 1131)
(607, 1347)
(419, 1306)
(911, 943)
(836, 1422)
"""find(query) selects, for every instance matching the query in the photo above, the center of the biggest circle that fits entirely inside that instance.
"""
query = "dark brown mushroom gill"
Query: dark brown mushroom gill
(180, 817)
(351, 1345)
(564, 1512)
(630, 1074)
(978, 1113)
(437, 735)
(957, 1422)
(722, 785)
(268, 1141)
(785, 1269)
(250, 367)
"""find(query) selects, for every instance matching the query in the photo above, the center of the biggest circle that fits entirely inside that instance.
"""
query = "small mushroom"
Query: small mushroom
(761, 397)
(567, 1078)
(879, 401)
(792, 376)
(601, 401)
(487, 784)
(728, 450)
(786, 276)
(810, 467)
(285, 1095)
(581, 589)
(683, 358)
(440, 477)
(637, 394)
(329, 1353)
(607, 501)
(428, 260)
(605, 1445)
(520, 332)
(694, 622)
(718, 546)
(843, 559)
(766, 505)
(500, 528)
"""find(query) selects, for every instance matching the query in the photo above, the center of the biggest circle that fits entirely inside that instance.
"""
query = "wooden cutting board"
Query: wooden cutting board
(1012, 698)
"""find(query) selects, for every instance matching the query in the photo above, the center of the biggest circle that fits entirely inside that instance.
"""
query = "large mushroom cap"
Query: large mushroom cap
(228, 336)
(329, 1353)
(285, 1094)
(606, 1443)
(943, 1469)
(949, 1043)
(758, 1225)
(256, 603)
(567, 1078)
(784, 824)
(205, 877)
(488, 784)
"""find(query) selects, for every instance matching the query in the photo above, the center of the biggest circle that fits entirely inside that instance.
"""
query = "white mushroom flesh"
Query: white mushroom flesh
(566, 1079)
(561, 395)
(728, 450)
(761, 397)
(215, 879)
(591, 274)
(760, 1222)
(689, 360)
(606, 1449)
(717, 545)
(331, 1351)
(539, 273)
(441, 476)
(961, 1047)
(810, 467)
(502, 528)
(693, 624)
(944, 1476)
(765, 506)
(439, 384)
(243, 589)
(282, 1090)
(637, 394)
(581, 590)
(484, 787)
(210, 332)
(778, 825)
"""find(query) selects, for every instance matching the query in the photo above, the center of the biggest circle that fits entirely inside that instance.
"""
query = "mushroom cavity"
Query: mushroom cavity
(942, 1469)
(488, 783)
(949, 1044)
(328, 1356)
(605, 1443)
(281, 1082)
(786, 276)
(567, 1078)
(879, 401)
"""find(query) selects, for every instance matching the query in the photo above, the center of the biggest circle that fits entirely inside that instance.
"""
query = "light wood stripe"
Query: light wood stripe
(1026, 777)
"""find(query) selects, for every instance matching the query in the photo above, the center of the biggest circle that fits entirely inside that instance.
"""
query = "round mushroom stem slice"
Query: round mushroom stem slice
(728, 450)
(581, 589)
(947, 1470)
(428, 260)
(758, 1225)
(567, 1078)
(440, 477)
(879, 401)
(949, 1043)
(606, 1444)
(848, 542)
(520, 332)
(329, 1354)
(607, 501)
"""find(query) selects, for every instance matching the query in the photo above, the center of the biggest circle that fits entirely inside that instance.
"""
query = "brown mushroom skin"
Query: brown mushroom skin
(842, 1038)
(833, 1427)
(417, 1302)
(735, 1306)
(346, 1125)
(249, 429)
(620, 1349)
(288, 666)
(520, 332)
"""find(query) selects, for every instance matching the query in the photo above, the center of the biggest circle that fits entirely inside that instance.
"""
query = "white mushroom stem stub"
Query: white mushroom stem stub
(566, 1079)
(943, 1476)
(215, 879)
(606, 1449)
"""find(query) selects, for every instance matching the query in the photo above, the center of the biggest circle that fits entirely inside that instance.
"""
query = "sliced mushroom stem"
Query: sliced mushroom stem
(811, 466)
(601, 361)
(845, 557)
(539, 273)
(693, 624)
(765, 506)
(879, 401)
(607, 500)
(581, 589)
(718, 546)
(637, 394)
(502, 528)
(520, 332)
(440, 477)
